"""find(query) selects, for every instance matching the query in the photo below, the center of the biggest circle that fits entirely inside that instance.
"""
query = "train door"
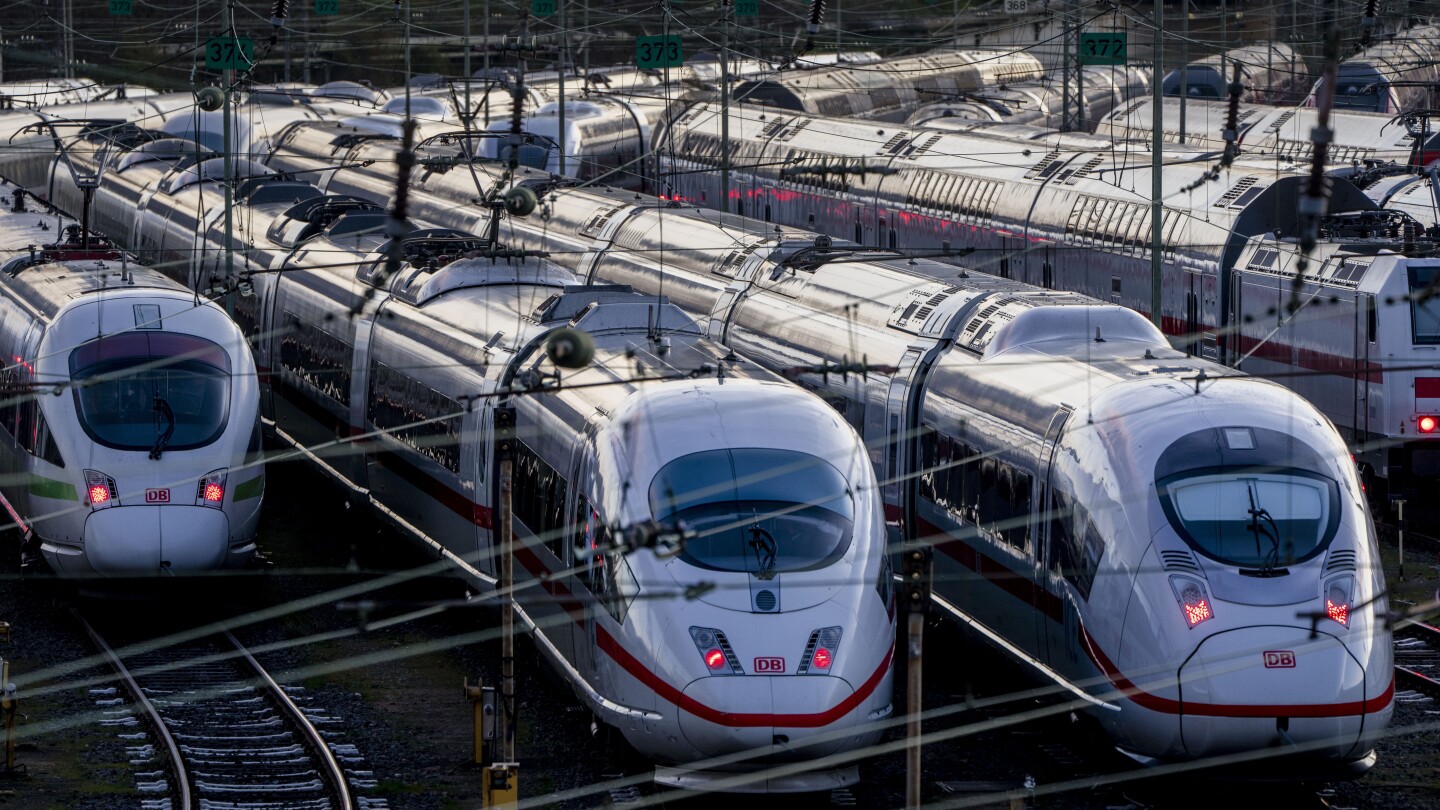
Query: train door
(585, 556)
(1043, 515)
(1206, 340)
(896, 428)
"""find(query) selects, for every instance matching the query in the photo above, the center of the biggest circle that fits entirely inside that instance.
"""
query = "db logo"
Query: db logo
(1279, 659)
(157, 496)
(769, 665)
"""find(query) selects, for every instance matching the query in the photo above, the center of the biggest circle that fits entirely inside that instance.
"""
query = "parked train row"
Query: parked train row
(786, 657)
(1073, 213)
(999, 439)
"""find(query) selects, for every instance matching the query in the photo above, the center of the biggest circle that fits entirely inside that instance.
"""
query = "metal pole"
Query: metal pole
(487, 61)
(1400, 535)
(915, 631)
(228, 149)
(505, 421)
(1184, 64)
(1065, 67)
(465, 66)
(1157, 123)
(564, 39)
(725, 105)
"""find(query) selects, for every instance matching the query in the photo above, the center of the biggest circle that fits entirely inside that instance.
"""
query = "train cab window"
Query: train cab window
(140, 390)
(1424, 314)
(1248, 497)
(755, 510)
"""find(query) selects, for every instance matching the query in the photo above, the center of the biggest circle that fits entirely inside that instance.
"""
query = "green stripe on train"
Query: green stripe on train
(42, 487)
(253, 488)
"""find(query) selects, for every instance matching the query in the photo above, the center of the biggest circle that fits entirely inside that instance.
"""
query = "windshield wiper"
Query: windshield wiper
(1270, 531)
(764, 545)
(163, 408)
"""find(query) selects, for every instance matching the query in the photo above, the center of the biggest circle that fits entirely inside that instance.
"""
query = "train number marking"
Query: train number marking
(770, 666)
(157, 496)
(1279, 659)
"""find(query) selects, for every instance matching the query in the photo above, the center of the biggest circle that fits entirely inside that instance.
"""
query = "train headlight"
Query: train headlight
(1194, 601)
(211, 491)
(100, 490)
(715, 651)
(1338, 593)
(820, 651)
(1427, 423)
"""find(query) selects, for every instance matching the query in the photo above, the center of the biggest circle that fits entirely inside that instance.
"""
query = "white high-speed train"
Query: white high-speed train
(129, 426)
(1393, 76)
(1214, 577)
(784, 657)
(1270, 73)
(1038, 103)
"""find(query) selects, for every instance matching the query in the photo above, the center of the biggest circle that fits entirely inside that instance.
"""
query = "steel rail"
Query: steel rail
(177, 761)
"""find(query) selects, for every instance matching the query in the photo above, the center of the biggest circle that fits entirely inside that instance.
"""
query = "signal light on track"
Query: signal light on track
(1427, 424)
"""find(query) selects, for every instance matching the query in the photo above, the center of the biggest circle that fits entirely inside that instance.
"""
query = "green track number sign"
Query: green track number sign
(653, 53)
(1103, 49)
(121, 8)
(229, 53)
(543, 8)
(747, 8)
(325, 7)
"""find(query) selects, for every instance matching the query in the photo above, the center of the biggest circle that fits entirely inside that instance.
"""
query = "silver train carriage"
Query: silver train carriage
(1030, 435)
(1270, 73)
(890, 90)
(1393, 76)
(129, 431)
(1279, 133)
(787, 658)
(1040, 103)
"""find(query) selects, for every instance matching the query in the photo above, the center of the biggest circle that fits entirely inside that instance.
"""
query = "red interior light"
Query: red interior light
(214, 493)
(1428, 424)
(99, 494)
(715, 659)
(821, 659)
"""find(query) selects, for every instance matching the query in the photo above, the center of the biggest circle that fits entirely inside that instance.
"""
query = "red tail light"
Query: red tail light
(715, 651)
(99, 495)
(1337, 600)
(100, 490)
(715, 659)
(1427, 424)
(1194, 602)
(211, 490)
(214, 493)
(821, 659)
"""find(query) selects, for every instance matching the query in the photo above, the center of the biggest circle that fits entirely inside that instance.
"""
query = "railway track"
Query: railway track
(232, 735)
(1417, 658)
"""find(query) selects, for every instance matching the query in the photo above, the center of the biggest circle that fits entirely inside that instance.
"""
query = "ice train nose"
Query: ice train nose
(729, 715)
(1263, 687)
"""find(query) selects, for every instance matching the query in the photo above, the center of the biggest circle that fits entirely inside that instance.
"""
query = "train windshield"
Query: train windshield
(1249, 497)
(1425, 304)
(1253, 521)
(1359, 95)
(760, 511)
(151, 390)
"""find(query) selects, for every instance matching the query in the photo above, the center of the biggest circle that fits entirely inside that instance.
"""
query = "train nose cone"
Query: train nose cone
(731, 714)
(139, 539)
(1262, 687)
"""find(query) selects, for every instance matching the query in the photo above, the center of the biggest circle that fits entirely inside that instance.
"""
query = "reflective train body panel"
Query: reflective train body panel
(1392, 76)
(1040, 103)
(130, 438)
(1032, 435)
(786, 658)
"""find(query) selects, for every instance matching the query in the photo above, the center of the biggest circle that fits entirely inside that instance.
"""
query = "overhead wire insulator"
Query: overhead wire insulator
(1231, 133)
(279, 12)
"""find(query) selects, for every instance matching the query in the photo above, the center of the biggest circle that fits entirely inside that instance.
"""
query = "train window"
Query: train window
(316, 357)
(928, 455)
(1075, 546)
(415, 415)
(757, 510)
(1424, 308)
(1261, 518)
(1370, 319)
(140, 390)
(539, 500)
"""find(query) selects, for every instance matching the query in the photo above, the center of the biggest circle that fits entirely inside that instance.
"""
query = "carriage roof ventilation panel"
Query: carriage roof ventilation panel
(1072, 325)
(603, 308)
